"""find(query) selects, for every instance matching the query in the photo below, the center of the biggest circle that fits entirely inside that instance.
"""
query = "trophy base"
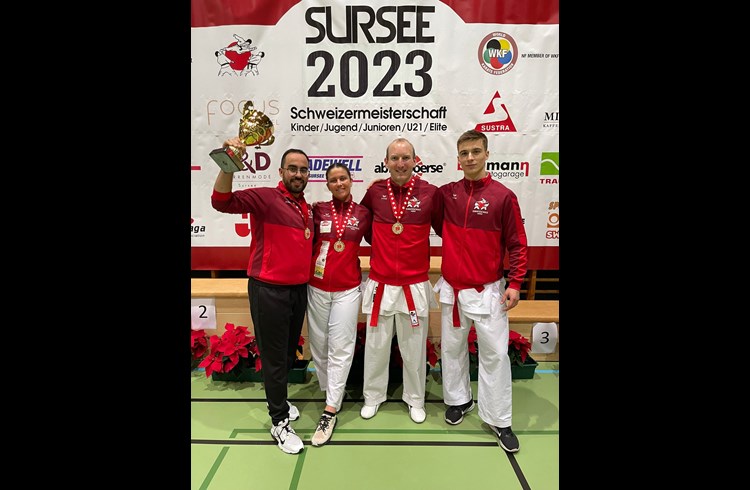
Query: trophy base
(227, 159)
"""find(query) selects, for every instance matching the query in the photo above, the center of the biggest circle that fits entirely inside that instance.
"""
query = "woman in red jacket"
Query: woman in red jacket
(334, 293)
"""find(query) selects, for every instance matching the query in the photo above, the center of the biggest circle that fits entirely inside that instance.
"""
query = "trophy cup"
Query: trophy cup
(255, 129)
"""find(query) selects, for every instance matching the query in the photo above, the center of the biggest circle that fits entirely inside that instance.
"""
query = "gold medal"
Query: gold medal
(398, 209)
(307, 233)
(340, 223)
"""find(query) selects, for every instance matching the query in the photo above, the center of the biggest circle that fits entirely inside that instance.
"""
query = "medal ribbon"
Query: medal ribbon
(341, 226)
(399, 211)
(301, 209)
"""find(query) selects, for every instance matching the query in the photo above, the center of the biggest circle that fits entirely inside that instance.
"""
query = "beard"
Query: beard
(295, 184)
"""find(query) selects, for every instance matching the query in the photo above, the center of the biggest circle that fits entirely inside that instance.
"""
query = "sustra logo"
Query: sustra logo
(501, 121)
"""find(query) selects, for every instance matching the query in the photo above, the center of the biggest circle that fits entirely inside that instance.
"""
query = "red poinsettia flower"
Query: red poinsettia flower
(252, 347)
(198, 343)
(300, 350)
(432, 357)
(214, 360)
(518, 346)
(233, 343)
(472, 339)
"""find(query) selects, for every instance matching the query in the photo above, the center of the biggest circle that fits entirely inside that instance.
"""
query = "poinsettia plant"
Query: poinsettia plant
(518, 347)
(236, 350)
(198, 346)
(226, 351)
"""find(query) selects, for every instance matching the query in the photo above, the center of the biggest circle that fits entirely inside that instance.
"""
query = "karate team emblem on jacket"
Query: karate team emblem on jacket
(482, 205)
(413, 204)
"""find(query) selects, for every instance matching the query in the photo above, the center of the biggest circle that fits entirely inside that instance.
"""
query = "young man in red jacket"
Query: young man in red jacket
(398, 294)
(281, 221)
(482, 222)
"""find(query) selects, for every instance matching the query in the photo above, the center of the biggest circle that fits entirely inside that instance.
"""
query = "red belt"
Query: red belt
(409, 304)
(456, 321)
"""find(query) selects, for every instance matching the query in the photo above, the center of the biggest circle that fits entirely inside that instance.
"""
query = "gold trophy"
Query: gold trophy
(255, 129)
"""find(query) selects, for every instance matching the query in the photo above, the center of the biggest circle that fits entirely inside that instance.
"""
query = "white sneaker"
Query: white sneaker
(288, 440)
(293, 411)
(417, 414)
(325, 430)
(369, 411)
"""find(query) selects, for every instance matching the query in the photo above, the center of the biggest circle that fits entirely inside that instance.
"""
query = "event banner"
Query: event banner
(340, 79)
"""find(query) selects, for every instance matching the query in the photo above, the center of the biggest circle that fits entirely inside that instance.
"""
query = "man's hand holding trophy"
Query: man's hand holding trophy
(255, 129)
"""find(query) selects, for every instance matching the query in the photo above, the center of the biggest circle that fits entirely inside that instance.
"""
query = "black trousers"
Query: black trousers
(277, 313)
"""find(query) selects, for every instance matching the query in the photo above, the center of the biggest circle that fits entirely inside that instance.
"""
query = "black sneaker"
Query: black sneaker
(455, 413)
(508, 439)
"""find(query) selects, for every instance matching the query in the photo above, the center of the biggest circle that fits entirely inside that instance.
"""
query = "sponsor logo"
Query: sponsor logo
(228, 108)
(551, 120)
(242, 229)
(320, 163)
(497, 53)
(550, 165)
(500, 117)
(239, 58)
(197, 230)
(419, 169)
(553, 220)
(508, 170)
(254, 175)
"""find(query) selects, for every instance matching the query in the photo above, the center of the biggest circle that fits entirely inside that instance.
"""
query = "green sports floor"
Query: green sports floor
(232, 448)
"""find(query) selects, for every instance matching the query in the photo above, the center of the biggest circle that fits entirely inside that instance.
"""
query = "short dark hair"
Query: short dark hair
(293, 150)
(338, 165)
(471, 135)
